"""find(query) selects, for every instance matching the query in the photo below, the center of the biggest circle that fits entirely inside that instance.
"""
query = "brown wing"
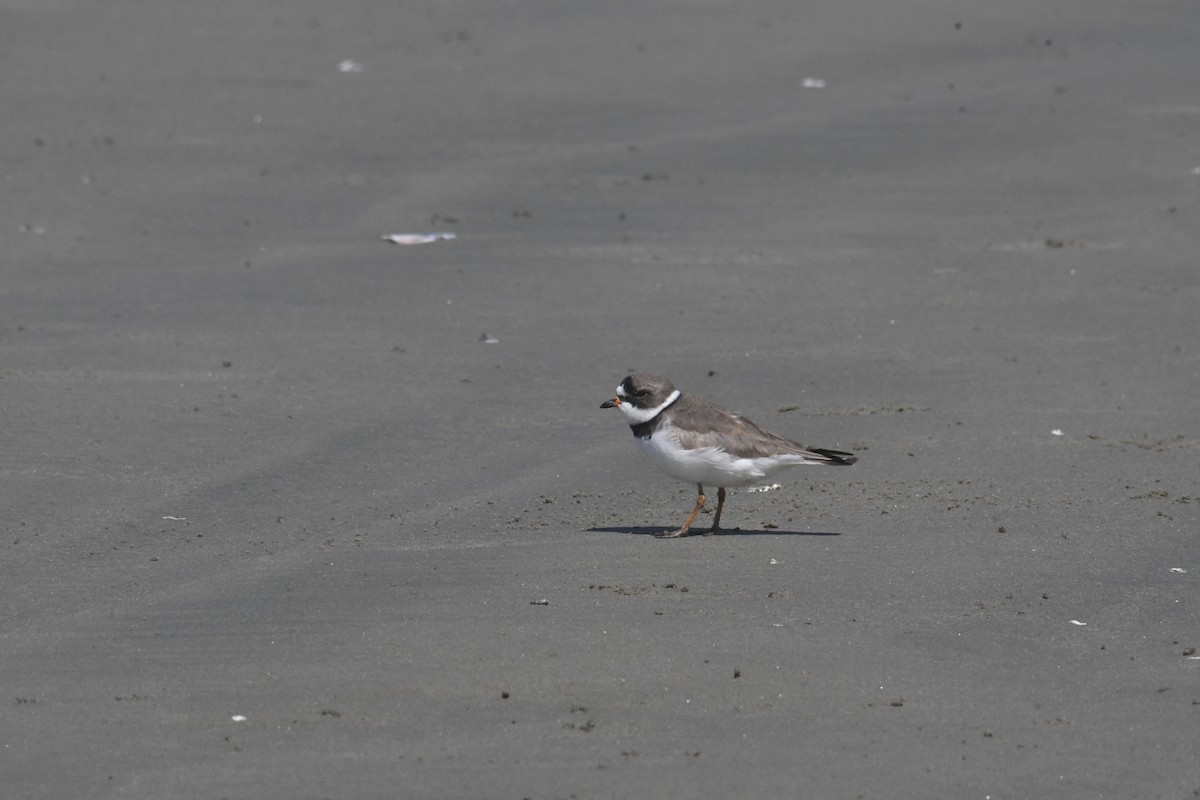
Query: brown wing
(704, 424)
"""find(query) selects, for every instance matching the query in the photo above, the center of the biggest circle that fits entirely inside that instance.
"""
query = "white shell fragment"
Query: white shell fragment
(238, 718)
(1077, 622)
(418, 238)
(1057, 432)
(813, 83)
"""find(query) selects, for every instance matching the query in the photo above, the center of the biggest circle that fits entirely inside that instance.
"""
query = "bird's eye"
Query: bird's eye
(640, 393)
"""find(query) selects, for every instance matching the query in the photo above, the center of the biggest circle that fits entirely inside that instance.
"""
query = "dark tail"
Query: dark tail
(836, 457)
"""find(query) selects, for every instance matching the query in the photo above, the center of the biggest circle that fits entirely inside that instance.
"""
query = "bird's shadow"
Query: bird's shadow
(699, 533)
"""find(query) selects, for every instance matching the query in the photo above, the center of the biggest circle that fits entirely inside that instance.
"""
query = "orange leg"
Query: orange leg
(691, 517)
(716, 528)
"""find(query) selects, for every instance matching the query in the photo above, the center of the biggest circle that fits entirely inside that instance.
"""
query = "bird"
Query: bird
(695, 441)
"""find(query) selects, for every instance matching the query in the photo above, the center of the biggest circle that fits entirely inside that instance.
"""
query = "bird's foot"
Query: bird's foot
(672, 534)
(713, 531)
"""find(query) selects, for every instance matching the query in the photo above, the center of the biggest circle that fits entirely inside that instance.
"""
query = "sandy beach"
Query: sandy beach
(292, 511)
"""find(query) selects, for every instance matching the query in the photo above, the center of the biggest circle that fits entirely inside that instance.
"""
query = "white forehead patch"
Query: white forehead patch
(637, 416)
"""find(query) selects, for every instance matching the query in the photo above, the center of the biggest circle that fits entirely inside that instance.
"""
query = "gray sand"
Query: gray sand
(256, 462)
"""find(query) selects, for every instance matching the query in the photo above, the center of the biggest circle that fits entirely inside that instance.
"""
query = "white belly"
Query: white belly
(709, 466)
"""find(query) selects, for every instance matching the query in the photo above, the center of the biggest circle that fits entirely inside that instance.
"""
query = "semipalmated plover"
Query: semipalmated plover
(696, 441)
